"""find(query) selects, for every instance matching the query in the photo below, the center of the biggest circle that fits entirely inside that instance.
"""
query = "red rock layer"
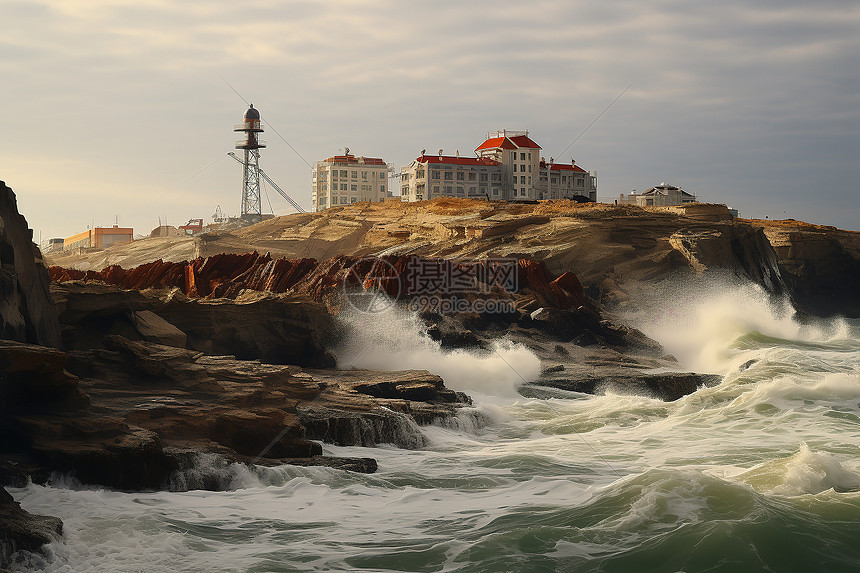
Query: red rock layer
(226, 275)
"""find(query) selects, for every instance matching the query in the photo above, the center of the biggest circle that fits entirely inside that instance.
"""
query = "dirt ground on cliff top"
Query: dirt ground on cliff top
(360, 228)
(448, 226)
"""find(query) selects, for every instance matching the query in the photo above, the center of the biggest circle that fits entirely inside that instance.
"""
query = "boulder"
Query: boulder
(153, 328)
(23, 531)
(668, 386)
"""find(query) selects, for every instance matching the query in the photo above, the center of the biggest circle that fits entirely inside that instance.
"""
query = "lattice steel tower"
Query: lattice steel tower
(252, 205)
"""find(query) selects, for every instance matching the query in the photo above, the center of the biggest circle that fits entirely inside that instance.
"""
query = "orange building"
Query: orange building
(99, 238)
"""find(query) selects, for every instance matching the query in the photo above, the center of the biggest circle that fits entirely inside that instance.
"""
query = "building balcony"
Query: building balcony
(250, 126)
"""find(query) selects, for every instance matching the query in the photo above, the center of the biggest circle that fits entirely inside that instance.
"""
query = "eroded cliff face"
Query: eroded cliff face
(606, 246)
(26, 316)
(26, 312)
(821, 265)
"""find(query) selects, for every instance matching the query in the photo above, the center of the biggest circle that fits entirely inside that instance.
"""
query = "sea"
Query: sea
(758, 473)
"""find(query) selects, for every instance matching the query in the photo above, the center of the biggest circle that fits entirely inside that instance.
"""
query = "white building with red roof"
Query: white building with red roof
(507, 166)
(345, 179)
(431, 176)
(565, 181)
(519, 157)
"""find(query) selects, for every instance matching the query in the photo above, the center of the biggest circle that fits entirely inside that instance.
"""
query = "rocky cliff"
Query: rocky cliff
(26, 312)
(821, 265)
(606, 246)
(26, 316)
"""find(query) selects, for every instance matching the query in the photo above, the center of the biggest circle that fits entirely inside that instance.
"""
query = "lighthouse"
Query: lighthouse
(252, 206)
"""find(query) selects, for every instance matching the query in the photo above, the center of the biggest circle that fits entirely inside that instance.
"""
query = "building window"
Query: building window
(434, 174)
(353, 187)
(522, 179)
(382, 188)
(459, 190)
(484, 177)
(514, 167)
(352, 200)
(404, 190)
(419, 174)
(522, 156)
(436, 189)
(364, 174)
(343, 186)
(449, 190)
(354, 174)
(473, 176)
(343, 173)
(495, 191)
(496, 177)
(461, 176)
(449, 176)
(472, 191)
(513, 155)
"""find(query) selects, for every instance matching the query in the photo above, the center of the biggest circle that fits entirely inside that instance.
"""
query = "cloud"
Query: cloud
(735, 91)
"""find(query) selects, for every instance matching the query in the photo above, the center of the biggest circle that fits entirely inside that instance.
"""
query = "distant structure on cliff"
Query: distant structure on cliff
(345, 179)
(99, 238)
(252, 205)
(661, 195)
(507, 166)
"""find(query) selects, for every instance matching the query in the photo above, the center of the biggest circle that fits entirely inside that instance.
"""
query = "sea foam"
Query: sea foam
(397, 340)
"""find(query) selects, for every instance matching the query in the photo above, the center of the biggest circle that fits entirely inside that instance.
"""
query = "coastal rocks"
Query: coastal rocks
(255, 325)
(150, 406)
(153, 328)
(820, 264)
(34, 379)
(278, 329)
(26, 312)
(96, 449)
(563, 292)
(668, 386)
(23, 531)
(49, 423)
(231, 276)
(367, 408)
(584, 326)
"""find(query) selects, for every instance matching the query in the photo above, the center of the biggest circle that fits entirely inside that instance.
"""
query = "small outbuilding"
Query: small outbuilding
(662, 195)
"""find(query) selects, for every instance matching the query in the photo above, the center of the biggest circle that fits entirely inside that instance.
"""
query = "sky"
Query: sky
(122, 111)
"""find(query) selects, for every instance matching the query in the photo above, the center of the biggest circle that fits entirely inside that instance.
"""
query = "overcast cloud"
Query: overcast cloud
(114, 108)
